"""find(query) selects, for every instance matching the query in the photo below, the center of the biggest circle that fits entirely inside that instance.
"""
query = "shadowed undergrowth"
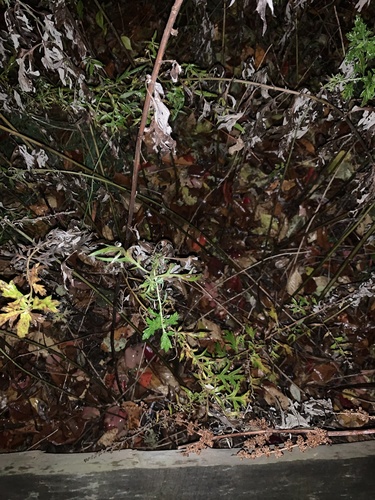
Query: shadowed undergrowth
(241, 311)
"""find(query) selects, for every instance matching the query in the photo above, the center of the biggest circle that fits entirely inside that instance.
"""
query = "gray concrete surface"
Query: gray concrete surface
(327, 473)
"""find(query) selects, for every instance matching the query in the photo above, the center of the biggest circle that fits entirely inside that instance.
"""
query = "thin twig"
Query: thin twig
(150, 90)
(339, 26)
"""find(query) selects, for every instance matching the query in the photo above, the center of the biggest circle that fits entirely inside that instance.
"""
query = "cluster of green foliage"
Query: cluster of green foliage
(220, 370)
(152, 291)
(359, 59)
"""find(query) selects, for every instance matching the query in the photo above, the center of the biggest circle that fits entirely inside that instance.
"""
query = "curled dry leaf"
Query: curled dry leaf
(238, 146)
(261, 9)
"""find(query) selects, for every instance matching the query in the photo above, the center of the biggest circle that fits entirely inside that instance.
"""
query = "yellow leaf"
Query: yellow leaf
(17, 305)
(273, 314)
(52, 304)
(46, 304)
(9, 316)
(39, 289)
(23, 325)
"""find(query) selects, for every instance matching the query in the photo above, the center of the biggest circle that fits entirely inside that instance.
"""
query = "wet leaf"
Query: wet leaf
(322, 373)
(134, 355)
(166, 377)
(149, 380)
(115, 418)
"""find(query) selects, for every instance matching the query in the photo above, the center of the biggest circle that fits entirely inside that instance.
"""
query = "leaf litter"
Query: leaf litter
(242, 312)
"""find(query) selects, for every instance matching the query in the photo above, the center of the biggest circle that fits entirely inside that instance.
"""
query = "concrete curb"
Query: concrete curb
(328, 472)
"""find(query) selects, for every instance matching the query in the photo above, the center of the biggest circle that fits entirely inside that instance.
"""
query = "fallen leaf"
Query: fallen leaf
(352, 419)
(108, 438)
(294, 282)
(259, 56)
(309, 146)
(274, 397)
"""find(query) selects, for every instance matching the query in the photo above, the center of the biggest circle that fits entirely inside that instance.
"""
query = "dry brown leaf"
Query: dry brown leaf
(321, 282)
(274, 397)
(294, 282)
(107, 233)
(214, 331)
(43, 341)
(323, 373)
(108, 438)
(259, 56)
(287, 185)
(309, 146)
(353, 419)
(33, 275)
(167, 377)
(39, 209)
(134, 413)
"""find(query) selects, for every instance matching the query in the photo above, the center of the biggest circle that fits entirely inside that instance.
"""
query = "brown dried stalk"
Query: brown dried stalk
(347, 432)
(150, 90)
(313, 437)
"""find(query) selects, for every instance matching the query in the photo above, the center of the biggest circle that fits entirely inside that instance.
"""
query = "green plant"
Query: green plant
(340, 345)
(22, 307)
(156, 271)
(157, 321)
(301, 308)
(226, 375)
(176, 98)
(359, 76)
(152, 47)
(221, 373)
(100, 21)
(220, 381)
(301, 305)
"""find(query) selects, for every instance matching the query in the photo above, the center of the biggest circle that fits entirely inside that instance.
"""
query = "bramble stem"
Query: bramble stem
(150, 90)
